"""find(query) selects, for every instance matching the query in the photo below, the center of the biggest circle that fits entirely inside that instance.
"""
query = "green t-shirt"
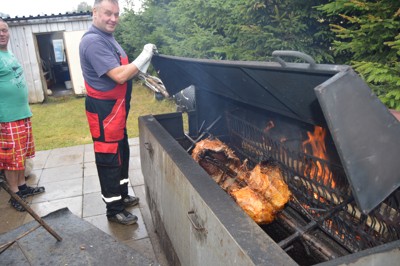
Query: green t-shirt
(14, 103)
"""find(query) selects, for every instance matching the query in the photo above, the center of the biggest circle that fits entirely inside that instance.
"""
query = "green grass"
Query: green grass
(61, 122)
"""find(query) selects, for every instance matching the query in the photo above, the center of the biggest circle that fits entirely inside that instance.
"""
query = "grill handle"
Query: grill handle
(149, 148)
(194, 224)
(277, 55)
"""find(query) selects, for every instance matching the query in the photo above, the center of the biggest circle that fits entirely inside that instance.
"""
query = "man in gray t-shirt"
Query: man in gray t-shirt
(108, 73)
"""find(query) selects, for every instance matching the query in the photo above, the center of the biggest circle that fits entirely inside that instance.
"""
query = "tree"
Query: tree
(368, 35)
(230, 29)
(83, 7)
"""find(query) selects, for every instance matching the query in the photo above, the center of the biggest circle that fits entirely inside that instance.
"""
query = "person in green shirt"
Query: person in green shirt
(16, 138)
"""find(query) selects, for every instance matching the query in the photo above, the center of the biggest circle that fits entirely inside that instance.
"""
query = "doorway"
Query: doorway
(55, 70)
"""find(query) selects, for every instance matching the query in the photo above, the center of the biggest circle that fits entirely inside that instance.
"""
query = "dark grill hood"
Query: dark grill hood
(365, 133)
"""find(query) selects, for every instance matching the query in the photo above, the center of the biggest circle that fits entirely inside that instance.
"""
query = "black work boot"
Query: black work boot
(130, 201)
(123, 217)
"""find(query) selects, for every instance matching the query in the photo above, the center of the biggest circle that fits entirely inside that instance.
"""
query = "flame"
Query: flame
(316, 141)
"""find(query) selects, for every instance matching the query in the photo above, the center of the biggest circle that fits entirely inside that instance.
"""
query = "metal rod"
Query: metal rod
(9, 244)
(189, 138)
(312, 240)
(221, 166)
(380, 228)
(301, 231)
(206, 131)
(29, 210)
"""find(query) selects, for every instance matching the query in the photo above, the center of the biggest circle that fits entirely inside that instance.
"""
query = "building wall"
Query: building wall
(24, 45)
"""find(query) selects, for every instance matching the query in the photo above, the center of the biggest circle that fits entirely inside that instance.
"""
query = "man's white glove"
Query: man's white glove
(142, 62)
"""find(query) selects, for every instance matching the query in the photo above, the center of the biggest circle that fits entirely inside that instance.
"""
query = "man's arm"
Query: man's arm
(123, 73)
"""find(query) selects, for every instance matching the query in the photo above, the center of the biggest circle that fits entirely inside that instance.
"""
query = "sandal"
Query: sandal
(16, 204)
(30, 191)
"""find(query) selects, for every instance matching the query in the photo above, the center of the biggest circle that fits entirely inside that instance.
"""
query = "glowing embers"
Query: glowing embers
(260, 192)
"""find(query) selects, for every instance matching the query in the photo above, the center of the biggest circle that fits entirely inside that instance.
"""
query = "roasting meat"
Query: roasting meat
(257, 207)
(216, 158)
(260, 192)
(268, 181)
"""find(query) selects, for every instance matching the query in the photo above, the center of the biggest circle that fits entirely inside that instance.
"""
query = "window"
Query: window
(58, 46)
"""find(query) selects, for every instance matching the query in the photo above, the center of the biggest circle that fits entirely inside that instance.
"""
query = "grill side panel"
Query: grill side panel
(203, 224)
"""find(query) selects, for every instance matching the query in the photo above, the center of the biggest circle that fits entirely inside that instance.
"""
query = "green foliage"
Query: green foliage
(233, 30)
(361, 33)
(368, 38)
(392, 99)
(83, 7)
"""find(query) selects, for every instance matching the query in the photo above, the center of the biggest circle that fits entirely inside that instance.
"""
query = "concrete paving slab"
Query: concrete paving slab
(119, 231)
(73, 150)
(40, 159)
(61, 173)
(93, 205)
(91, 184)
(135, 163)
(143, 246)
(10, 218)
(61, 190)
(74, 205)
(88, 155)
(34, 178)
(135, 151)
(136, 177)
(89, 169)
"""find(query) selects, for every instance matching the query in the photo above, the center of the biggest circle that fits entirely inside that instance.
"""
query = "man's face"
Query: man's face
(4, 35)
(106, 16)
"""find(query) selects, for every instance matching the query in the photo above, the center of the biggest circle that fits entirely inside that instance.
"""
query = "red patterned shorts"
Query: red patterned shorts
(16, 144)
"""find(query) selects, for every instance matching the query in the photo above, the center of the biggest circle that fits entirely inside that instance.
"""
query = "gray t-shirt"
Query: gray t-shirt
(98, 55)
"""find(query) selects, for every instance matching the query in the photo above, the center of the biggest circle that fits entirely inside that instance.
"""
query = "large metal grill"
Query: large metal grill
(345, 202)
(321, 192)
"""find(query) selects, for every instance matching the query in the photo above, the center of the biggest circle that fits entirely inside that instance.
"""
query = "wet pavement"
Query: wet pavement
(70, 178)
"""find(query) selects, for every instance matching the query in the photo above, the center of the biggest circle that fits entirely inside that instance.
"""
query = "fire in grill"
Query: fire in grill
(306, 121)
(320, 187)
(321, 193)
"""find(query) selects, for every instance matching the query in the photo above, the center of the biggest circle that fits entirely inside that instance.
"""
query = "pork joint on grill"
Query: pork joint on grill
(260, 192)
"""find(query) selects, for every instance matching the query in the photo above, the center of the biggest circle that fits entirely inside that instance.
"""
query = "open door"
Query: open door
(71, 42)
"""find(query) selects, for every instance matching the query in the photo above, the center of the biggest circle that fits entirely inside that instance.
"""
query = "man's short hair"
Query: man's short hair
(98, 2)
(2, 20)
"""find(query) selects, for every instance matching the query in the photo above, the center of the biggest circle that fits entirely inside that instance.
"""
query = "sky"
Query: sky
(40, 7)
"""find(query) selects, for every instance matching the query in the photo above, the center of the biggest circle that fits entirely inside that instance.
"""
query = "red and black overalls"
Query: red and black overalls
(107, 112)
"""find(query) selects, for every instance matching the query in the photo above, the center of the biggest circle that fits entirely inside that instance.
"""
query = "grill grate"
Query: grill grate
(318, 186)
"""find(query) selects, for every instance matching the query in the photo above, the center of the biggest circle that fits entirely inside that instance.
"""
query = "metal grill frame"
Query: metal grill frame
(350, 227)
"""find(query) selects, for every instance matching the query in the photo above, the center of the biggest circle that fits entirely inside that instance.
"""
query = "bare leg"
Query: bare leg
(21, 178)
(15, 179)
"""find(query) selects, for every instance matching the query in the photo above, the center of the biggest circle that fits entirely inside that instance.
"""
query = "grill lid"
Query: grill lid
(267, 85)
(365, 133)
